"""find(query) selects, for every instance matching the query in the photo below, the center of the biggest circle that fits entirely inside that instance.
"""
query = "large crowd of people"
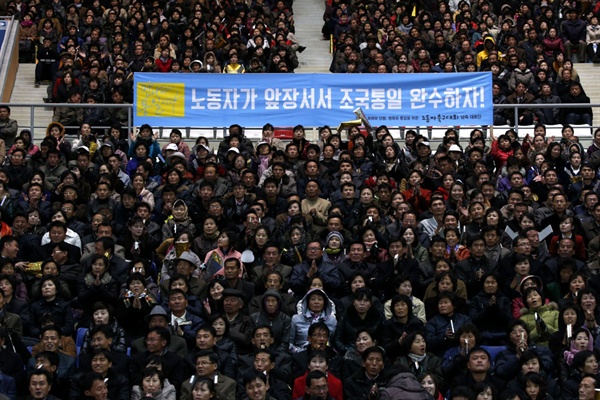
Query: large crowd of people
(355, 266)
(351, 267)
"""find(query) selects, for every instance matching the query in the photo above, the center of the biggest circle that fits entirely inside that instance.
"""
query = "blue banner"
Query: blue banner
(215, 100)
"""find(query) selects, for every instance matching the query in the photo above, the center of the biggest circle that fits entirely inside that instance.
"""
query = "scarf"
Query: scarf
(214, 236)
(416, 358)
(26, 24)
(332, 251)
(104, 279)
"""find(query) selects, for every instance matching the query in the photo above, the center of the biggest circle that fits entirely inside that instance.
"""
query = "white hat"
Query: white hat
(171, 146)
(234, 149)
(176, 154)
(455, 147)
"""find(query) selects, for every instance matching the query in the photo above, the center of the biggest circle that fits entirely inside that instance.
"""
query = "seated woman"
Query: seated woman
(104, 314)
(141, 266)
(490, 311)
(97, 285)
(567, 230)
(584, 363)
(319, 360)
(352, 360)
(415, 357)
(404, 286)
(51, 303)
(517, 304)
(568, 314)
(133, 305)
(136, 241)
(541, 319)
(314, 306)
(402, 322)
(357, 281)
(207, 239)
(440, 330)
(430, 385)
(454, 361)
(152, 386)
(414, 247)
(445, 281)
(360, 315)
(224, 341)
(180, 221)
(580, 340)
(215, 259)
(531, 363)
(507, 361)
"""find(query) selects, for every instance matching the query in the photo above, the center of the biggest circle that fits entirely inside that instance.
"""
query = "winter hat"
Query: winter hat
(335, 234)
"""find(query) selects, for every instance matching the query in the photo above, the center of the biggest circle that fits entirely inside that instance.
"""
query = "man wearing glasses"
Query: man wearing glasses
(312, 266)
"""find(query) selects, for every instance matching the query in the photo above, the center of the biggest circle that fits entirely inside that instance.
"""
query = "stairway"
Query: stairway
(588, 75)
(308, 15)
(24, 92)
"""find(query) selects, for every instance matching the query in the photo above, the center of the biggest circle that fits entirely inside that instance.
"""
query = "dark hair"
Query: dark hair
(580, 357)
(41, 371)
(89, 378)
(313, 376)
(151, 371)
(320, 325)
(253, 375)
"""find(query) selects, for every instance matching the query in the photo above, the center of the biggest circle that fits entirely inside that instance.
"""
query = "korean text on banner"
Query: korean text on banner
(312, 99)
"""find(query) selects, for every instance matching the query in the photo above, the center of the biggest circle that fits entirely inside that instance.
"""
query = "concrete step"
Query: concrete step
(25, 92)
(588, 76)
(308, 15)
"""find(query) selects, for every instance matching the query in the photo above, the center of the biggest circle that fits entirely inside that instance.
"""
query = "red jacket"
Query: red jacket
(500, 156)
(335, 387)
(419, 203)
(579, 247)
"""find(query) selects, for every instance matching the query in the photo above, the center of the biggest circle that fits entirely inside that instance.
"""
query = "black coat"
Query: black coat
(61, 312)
(393, 330)
(358, 386)
(350, 324)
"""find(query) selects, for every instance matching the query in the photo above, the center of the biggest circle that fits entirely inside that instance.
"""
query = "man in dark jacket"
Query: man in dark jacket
(157, 341)
(365, 383)
(573, 35)
(314, 264)
(479, 369)
(271, 315)
(40, 384)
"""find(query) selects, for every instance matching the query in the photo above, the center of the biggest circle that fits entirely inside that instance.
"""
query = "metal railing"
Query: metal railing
(220, 131)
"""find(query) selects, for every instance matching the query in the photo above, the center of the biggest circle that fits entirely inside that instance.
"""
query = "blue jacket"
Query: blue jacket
(332, 279)
(435, 331)
(305, 318)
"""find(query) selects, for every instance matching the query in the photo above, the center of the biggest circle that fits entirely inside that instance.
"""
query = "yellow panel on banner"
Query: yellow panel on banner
(161, 99)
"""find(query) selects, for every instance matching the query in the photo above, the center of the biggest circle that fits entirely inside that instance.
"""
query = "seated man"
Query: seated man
(49, 362)
(50, 339)
(102, 338)
(207, 366)
(158, 317)
(157, 341)
(40, 384)
(101, 364)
